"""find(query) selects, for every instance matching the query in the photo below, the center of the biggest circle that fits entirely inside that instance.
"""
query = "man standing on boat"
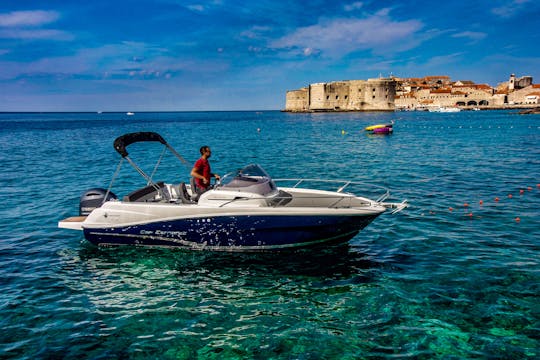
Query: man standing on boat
(201, 171)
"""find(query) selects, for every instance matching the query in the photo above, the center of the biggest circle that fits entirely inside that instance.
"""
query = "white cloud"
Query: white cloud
(208, 6)
(341, 36)
(472, 35)
(28, 18)
(510, 9)
(354, 6)
(255, 32)
(309, 51)
(439, 61)
(196, 7)
(35, 34)
(122, 60)
(28, 25)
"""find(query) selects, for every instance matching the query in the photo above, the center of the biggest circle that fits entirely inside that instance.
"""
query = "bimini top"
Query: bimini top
(123, 141)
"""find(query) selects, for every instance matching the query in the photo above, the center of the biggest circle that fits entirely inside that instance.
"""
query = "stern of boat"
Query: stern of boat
(72, 223)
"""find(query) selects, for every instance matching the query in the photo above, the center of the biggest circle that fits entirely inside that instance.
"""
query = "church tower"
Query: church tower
(512, 83)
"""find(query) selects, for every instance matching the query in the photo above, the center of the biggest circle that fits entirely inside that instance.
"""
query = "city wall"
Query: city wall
(351, 95)
(389, 94)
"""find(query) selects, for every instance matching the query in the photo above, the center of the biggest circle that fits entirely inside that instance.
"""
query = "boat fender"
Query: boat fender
(92, 199)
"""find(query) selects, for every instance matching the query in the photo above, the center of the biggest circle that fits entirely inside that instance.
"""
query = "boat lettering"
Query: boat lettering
(177, 234)
(171, 233)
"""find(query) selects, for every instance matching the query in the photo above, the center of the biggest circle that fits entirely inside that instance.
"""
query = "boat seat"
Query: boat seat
(145, 194)
(282, 199)
(183, 194)
(195, 191)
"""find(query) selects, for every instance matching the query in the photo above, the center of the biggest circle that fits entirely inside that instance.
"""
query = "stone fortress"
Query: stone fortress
(393, 93)
(349, 95)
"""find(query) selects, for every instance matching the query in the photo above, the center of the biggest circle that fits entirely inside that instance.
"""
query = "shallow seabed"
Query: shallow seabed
(456, 275)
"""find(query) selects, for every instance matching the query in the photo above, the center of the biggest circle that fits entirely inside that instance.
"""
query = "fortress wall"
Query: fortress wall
(523, 82)
(357, 90)
(297, 100)
(380, 94)
(317, 97)
(336, 96)
(351, 95)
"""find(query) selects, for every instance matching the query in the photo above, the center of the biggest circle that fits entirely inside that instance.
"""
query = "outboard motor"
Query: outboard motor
(93, 198)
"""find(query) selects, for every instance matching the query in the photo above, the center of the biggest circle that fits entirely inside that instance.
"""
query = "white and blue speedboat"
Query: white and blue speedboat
(246, 211)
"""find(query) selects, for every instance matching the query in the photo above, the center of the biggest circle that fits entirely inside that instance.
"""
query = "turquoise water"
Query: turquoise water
(438, 280)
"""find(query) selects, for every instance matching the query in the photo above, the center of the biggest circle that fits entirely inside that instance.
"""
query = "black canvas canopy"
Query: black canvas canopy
(122, 142)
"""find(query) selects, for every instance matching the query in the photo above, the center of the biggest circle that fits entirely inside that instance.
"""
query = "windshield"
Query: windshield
(251, 178)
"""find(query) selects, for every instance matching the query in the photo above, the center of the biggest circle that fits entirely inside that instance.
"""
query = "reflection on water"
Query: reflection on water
(335, 261)
(207, 301)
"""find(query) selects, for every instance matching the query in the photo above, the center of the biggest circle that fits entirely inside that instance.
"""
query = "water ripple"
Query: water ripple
(456, 275)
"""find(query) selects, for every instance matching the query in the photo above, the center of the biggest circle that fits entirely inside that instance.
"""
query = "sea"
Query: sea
(456, 275)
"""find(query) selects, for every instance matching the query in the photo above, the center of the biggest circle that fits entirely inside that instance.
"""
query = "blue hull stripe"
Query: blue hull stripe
(242, 233)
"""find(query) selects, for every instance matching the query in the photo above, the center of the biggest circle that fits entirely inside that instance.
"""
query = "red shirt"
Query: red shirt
(203, 167)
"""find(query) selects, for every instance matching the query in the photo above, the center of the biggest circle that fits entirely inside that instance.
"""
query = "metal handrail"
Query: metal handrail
(345, 183)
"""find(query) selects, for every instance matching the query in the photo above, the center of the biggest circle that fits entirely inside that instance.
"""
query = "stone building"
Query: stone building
(529, 95)
(349, 95)
(388, 94)
(424, 93)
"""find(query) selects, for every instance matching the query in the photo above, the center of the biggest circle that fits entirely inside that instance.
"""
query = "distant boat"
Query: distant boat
(383, 131)
(445, 109)
(381, 128)
(129, 113)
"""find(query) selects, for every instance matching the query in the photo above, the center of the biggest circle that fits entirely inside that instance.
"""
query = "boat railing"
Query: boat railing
(280, 200)
(381, 193)
(337, 198)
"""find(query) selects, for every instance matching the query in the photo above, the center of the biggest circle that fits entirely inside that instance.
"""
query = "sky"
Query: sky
(176, 55)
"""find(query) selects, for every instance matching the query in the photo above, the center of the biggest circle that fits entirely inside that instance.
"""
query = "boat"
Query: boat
(245, 211)
(445, 109)
(379, 126)
(129, 113)
(383, 130)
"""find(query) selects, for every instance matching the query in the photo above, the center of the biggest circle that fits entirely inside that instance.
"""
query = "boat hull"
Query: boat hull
(235, 233)
(383, 130)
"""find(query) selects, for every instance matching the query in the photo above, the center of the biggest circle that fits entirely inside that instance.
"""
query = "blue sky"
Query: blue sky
(175, 55)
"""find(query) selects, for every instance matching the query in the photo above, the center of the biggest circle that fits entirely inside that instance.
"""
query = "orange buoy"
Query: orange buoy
(529, 188)
(517, 219)
(451, 209)
(521, 191)
(496, 199)
(470, 215)
(465, 205)
(481, 202)
(509, 196)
